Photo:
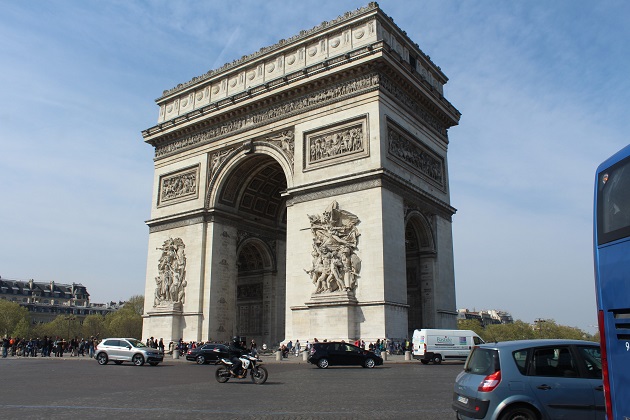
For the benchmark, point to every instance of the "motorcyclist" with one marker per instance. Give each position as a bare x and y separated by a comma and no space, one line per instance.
235,351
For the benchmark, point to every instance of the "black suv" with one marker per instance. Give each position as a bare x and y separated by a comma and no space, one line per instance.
342,354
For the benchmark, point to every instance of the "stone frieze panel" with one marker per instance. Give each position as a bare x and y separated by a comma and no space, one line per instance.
334,144
179,186
409,151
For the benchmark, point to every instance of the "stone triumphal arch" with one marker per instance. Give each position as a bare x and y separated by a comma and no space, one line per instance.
302,191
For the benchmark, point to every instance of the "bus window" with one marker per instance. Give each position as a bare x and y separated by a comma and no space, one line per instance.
614,202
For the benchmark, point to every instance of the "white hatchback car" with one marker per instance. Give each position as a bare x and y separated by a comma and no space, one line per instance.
120,350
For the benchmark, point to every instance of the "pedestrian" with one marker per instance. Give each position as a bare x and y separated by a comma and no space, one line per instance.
161,345
297,348
5,346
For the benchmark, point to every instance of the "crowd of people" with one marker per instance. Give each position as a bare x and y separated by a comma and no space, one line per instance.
390,346
48,347
57,346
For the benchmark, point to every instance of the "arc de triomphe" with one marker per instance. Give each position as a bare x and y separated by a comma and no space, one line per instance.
302,192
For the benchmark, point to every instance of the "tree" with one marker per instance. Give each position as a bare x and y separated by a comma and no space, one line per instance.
11,314
124,323
94,326
470,324
518,330
22,329
135,304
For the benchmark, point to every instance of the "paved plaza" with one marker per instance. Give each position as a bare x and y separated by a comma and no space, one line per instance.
55,388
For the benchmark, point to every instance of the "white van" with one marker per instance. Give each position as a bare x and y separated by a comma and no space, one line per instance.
437,345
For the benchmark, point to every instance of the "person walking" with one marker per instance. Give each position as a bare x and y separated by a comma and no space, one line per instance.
5,347
297,348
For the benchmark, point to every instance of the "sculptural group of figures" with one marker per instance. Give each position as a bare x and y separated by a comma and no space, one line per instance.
171,282
335,265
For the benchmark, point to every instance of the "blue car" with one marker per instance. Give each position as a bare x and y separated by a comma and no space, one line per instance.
531,380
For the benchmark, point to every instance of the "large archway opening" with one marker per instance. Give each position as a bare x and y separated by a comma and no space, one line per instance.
252,199
420,253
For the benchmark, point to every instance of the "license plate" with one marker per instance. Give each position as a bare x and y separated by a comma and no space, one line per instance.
462,400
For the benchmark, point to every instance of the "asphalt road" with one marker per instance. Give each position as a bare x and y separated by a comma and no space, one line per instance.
70,388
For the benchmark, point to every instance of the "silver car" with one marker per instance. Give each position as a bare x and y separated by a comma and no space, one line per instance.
120,350
531,380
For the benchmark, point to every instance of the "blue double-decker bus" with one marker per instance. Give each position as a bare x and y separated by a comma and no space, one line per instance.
612,279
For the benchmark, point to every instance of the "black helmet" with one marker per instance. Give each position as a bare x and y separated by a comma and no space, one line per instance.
235,340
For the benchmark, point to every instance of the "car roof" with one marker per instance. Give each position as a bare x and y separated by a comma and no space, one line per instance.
518,344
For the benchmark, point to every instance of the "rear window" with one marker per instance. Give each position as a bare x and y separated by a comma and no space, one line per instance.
483,361
613,202
520,358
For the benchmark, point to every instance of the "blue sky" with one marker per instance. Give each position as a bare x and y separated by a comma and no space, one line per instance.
542,86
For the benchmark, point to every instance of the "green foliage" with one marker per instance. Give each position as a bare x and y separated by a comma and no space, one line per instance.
520,330
94,326
470,324
124,323
135,304
127,321
11,314
23,329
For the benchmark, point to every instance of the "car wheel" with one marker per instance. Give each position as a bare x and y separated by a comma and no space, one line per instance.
322,363
101,358
154,363
138,360
259,375
424,361
118,362
222,374
519,413
437,359
201,360
369,363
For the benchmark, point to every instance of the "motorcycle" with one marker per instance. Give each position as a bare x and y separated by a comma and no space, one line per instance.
250,363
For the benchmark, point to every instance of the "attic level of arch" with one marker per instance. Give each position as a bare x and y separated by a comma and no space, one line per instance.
387,73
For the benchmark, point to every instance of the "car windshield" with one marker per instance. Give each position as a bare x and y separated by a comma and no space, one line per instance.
482,361
136,343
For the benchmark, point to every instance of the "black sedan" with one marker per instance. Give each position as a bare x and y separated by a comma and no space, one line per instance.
207,353
342,354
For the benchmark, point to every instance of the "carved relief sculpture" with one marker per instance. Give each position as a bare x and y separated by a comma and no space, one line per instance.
179,186
409,151
171,281
335,144
335,265
285,141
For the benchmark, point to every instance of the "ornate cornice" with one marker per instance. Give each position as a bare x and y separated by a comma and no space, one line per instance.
381,178
283,43
247,121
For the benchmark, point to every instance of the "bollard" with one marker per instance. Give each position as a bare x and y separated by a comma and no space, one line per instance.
407,355
278,356
384,355
305,355
175,354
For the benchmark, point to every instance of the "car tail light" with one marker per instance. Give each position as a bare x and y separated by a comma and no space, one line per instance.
490,382
605,374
